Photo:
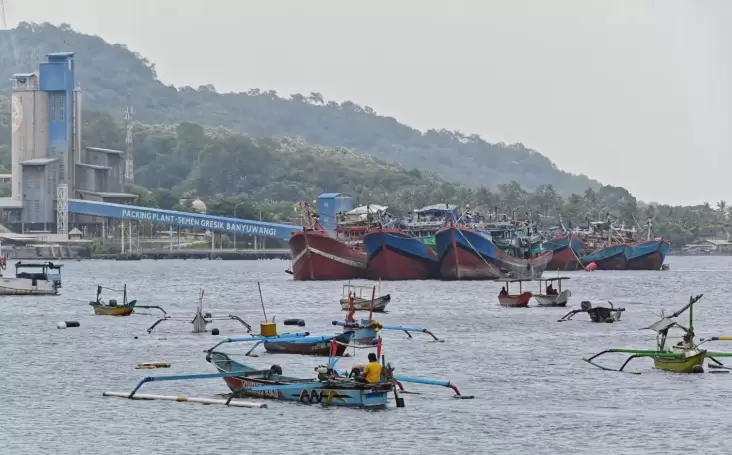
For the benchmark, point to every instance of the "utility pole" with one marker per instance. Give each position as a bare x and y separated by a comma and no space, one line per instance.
129,163
3,19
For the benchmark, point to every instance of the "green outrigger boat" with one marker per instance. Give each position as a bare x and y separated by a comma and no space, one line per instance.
684,357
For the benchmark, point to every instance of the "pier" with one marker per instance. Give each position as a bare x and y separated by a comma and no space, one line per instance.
231,255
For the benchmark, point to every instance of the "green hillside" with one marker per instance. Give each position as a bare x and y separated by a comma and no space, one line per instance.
113,77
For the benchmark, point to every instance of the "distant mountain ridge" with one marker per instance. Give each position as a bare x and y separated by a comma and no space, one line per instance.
113,77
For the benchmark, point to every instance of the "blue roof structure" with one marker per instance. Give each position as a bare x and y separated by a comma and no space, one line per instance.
183,219
330,195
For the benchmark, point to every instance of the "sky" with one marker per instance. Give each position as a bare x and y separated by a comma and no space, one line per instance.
633,93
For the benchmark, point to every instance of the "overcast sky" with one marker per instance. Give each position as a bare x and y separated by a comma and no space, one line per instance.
633,93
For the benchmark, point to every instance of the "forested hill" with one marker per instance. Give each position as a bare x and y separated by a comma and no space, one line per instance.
113,77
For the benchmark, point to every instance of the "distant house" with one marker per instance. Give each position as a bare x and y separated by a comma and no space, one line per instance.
711,233
709,246
75,234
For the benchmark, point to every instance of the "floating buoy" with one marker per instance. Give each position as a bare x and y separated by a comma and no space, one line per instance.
65,324
592,266
150,365
697,369
295,321
214,331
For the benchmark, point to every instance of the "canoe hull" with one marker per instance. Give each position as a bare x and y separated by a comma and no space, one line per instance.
603,314
559,300
515,301
113,310
350,394
320,348
684,365
360,304
27,286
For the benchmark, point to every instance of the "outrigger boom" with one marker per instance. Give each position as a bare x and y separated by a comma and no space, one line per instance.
401,328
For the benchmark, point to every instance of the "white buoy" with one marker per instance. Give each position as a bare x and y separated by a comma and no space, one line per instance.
65,324
140,396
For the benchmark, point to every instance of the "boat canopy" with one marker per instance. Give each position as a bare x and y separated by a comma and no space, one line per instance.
437,209
559,278
366,209
662,325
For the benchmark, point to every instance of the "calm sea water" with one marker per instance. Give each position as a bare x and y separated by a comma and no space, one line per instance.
533,393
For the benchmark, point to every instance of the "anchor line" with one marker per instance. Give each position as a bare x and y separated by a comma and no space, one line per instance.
332,257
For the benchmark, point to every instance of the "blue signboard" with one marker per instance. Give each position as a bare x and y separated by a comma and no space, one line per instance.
183,219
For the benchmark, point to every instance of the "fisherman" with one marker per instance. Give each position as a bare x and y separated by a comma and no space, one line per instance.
372,370
503,291
550,290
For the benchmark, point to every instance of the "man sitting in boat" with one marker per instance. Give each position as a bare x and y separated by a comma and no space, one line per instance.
550,290
503,291
372,370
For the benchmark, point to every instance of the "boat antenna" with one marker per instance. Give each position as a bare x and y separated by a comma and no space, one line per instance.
262,301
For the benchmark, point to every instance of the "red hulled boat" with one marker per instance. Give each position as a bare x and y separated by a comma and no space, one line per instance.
319,256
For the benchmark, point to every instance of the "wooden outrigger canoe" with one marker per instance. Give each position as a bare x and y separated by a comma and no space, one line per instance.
684,357
111,308
597,313
329,387
505,298
552,297
354,295
367,330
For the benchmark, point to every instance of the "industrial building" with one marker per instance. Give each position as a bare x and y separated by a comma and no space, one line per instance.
330,205
49,165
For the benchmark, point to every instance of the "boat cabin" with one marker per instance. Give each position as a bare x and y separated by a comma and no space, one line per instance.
358,291
546,285
39,271
520,285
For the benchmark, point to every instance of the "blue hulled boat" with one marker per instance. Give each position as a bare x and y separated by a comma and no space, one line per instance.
648,255
396,255
611,257
471,254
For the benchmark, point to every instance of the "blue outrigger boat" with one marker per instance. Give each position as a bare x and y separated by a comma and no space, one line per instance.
329,387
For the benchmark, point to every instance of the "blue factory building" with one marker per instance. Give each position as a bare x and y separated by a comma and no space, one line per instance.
49,165
57,183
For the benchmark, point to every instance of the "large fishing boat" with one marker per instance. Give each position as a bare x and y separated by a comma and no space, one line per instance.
567,248
470,253
609,247
649,254
408,253
319,256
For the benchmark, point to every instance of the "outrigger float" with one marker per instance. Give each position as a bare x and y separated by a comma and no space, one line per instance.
683,357
597,313
200,319
354,295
